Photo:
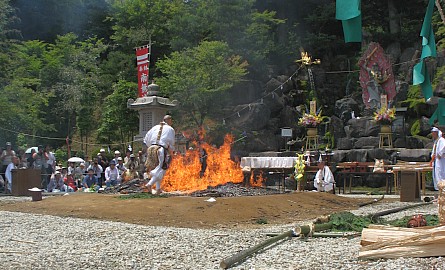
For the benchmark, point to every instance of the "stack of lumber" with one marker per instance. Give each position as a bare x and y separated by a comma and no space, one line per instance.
380,241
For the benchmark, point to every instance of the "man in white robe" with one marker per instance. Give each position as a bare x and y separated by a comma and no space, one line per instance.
161,137
438,157
324,179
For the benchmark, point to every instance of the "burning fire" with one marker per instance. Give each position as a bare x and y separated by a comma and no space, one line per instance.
184,171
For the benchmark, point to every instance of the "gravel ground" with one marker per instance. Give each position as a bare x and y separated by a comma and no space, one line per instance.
31,241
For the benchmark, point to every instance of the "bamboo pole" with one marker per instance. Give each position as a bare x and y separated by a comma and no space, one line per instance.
305,230
232,260
395,210
308,230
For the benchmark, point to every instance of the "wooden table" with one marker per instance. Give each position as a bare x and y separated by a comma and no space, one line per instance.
352,169
420,168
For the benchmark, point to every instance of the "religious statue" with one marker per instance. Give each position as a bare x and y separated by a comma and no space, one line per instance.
376,76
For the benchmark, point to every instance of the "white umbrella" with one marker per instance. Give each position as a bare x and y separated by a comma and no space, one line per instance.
76,159
28,151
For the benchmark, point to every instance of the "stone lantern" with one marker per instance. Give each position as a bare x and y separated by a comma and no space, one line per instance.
152,109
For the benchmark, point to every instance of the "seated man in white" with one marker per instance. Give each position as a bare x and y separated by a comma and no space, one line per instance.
324,179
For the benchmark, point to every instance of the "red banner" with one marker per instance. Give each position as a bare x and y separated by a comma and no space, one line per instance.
142,56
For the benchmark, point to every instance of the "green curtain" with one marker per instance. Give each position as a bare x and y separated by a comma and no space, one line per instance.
439,114
420,72
348,11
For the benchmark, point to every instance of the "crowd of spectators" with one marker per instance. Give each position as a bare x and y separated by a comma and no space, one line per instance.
90,175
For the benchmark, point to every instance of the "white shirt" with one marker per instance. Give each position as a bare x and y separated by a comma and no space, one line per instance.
111,174
51,159
8,173
167,139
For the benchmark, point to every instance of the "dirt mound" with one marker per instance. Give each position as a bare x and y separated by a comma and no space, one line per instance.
193,212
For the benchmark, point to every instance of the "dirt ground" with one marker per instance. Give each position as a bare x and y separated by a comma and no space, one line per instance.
191,212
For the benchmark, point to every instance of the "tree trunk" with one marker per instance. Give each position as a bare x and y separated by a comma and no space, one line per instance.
394,18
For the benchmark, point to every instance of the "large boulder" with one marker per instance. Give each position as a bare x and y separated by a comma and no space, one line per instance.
344,107
264,140
345,143
288,117
255,118
287,83
378,153
359,155
246,92
363,127
425,127
336,128
414,142
419,155
367,143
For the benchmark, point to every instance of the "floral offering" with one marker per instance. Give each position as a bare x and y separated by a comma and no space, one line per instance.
385,116
310,120
300,164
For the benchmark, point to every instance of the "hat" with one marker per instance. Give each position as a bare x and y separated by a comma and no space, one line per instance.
119,158
167,117
132,155
112,162
58,168
82,164
57,172
435,129
102,150
98,154
8,144
117,152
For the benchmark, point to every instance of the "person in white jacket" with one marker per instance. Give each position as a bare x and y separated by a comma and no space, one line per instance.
324,179
438,157
160,141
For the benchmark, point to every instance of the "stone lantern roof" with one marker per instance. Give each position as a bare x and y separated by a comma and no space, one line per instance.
151,99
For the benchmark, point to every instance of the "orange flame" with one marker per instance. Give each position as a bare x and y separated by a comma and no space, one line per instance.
257,181
184,171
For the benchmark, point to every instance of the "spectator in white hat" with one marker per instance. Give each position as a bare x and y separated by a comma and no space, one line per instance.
117,154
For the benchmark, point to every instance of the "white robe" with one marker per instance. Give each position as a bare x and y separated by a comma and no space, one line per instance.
167,141
439,163
324,180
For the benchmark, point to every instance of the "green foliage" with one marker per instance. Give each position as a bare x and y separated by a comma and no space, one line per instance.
329,137
431,220
210,69
119,122
415,128
261,221
61,155
21,141
346,221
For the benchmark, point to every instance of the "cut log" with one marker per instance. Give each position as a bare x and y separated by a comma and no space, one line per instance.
378,233
393,242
